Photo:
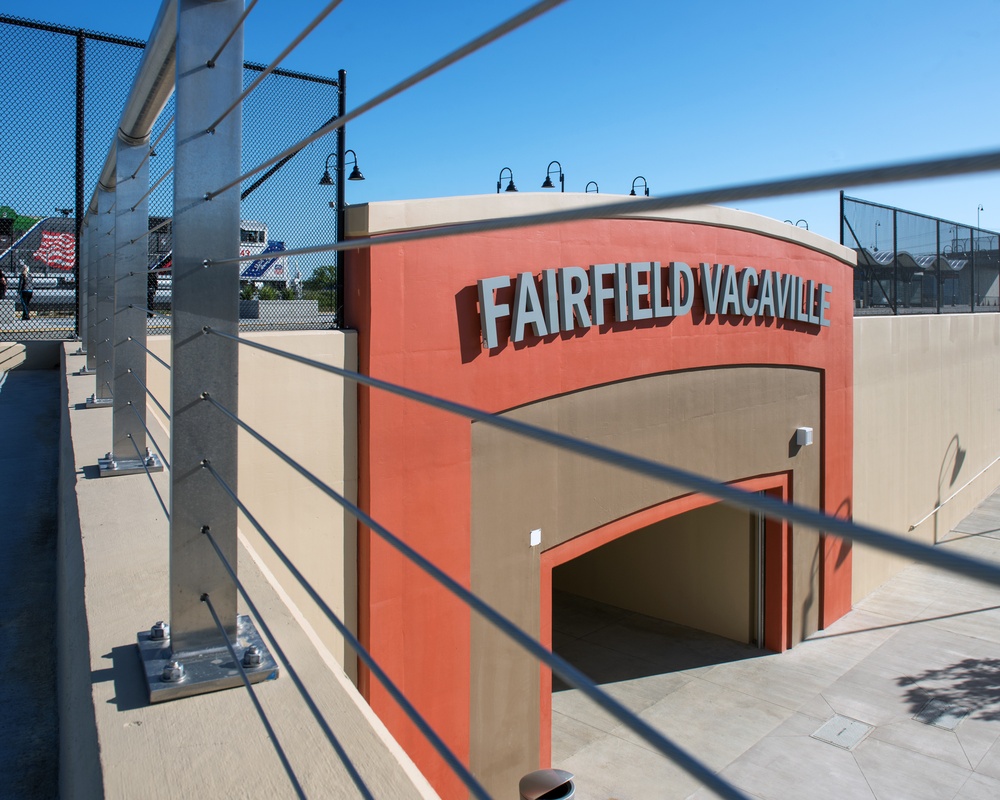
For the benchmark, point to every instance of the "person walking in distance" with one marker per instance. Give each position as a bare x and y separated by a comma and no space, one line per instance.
152,284
25,288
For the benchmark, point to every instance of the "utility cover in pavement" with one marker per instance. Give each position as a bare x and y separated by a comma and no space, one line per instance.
843,732
941,714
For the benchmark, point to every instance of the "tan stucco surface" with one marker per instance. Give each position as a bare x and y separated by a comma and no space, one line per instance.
730,423
312,416
693,569
926,422
402,215
114,573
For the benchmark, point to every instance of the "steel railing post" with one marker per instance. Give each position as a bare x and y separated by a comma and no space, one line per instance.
90,286
204,230
128,438
191,659
104,290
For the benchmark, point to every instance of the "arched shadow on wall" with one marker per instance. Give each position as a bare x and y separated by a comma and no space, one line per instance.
954,457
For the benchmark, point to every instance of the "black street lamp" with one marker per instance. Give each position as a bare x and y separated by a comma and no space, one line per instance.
547,184
644,185
510,186
355,175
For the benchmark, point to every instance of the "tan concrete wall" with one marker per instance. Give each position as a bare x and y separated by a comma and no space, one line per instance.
693,569
729,423
926,421
312,416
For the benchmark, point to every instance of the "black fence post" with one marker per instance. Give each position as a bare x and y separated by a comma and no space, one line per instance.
81,63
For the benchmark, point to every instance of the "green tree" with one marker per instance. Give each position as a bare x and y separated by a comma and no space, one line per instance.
324,277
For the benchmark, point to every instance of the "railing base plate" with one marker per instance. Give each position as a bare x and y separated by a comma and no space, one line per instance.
129,466
100,402
204,671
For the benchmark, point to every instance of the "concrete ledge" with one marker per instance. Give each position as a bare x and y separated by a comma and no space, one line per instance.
11,356
113,583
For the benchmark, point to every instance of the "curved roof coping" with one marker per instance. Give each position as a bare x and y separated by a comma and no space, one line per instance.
395,216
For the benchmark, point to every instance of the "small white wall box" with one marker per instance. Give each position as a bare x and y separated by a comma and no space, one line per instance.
803,437
536,537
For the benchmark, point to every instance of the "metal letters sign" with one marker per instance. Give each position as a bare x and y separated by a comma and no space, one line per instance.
568,298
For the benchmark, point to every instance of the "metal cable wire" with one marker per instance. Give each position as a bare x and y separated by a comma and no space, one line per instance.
155,314
637,206
151,396
150,476
111,391
256,702
149,433
150,352
460,770
152,148
153,186
313,708
232,33
154,229
557,664
478,43
274,64
810,518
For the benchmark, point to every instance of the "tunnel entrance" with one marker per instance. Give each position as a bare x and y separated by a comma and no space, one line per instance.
683,592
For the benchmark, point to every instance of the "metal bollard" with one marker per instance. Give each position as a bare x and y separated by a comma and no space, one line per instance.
547,784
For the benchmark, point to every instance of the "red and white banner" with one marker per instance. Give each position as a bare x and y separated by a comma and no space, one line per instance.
57,250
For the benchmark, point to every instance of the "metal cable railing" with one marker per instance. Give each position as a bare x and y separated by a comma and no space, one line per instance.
572,676
478,43
149,433
632,207
159,405
439,745
238,661
144,460
331,737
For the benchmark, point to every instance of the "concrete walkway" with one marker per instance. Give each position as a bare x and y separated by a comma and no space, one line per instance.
910,678
29,420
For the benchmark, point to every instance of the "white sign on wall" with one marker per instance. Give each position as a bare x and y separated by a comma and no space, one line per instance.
568,298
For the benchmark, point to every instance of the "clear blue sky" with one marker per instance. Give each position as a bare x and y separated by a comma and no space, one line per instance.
689,95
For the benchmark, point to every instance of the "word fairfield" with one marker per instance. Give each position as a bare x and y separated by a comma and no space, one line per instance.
568,298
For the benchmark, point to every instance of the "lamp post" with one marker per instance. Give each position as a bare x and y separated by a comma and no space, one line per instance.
547,183
645,186
877,226
355,175
510,186
979,210
597,189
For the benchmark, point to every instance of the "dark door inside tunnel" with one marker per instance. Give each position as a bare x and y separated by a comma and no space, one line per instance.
684,592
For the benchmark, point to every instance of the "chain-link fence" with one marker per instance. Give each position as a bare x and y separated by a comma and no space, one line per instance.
63,91
910,263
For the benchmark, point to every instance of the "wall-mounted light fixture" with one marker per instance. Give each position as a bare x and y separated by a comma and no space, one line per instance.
803,437
510,186
547,183
645,185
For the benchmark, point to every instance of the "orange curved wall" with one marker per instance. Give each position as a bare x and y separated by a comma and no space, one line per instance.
416,312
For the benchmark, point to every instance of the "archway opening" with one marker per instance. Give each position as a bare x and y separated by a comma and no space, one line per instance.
681,593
